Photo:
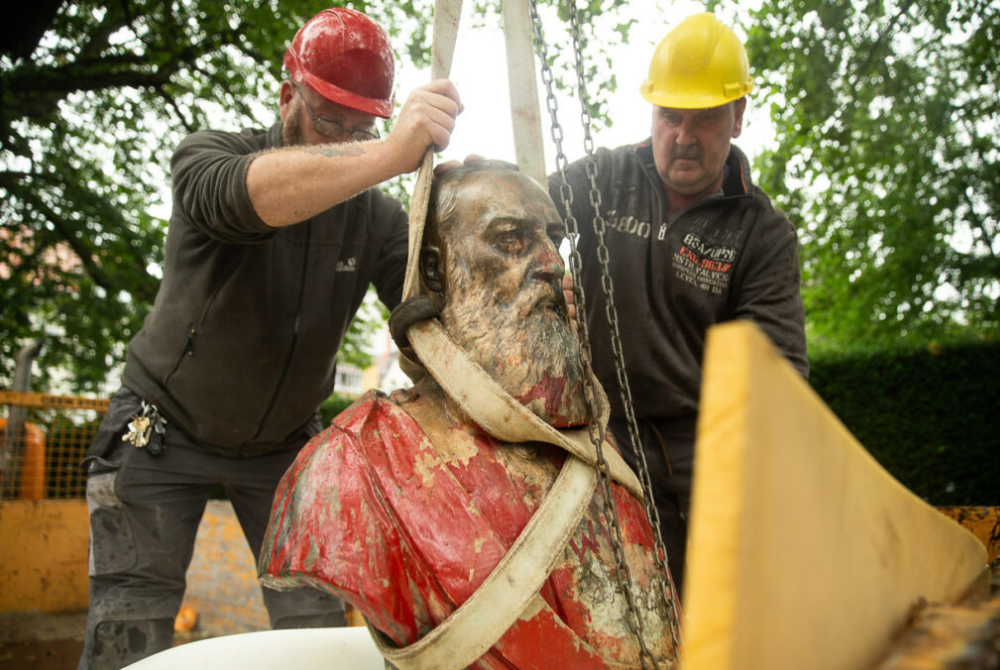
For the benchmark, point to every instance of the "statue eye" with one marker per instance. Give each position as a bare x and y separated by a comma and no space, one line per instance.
511,242
509,239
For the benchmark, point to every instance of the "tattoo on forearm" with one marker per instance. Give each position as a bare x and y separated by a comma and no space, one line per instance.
331,150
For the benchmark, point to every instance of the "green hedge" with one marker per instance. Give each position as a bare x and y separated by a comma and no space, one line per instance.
931,416
333,406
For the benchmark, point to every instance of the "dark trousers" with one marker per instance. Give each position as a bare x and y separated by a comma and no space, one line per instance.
669,450
144,516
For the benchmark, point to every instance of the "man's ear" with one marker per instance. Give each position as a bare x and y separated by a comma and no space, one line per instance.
285,98
430,268
739,106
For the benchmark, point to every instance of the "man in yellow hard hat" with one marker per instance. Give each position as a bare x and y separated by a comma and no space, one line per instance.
691,242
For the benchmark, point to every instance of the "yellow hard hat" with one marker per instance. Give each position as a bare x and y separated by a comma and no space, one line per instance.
700,63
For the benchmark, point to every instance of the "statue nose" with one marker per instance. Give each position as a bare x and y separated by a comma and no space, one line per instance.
549,263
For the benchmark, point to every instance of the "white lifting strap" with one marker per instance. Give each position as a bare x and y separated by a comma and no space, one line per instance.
446,16
497,412
480,621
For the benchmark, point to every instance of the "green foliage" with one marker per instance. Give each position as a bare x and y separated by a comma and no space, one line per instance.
887,118
94,96
356,348
90,115
333,406
929,415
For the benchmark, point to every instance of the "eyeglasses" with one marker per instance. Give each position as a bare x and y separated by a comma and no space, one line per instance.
331,128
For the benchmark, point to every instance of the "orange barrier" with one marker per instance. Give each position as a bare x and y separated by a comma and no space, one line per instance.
43,556
31,481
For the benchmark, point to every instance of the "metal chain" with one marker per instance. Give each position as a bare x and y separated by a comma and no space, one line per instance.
669,592
596,430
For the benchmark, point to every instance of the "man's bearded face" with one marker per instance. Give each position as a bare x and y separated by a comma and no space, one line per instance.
298,127
503,290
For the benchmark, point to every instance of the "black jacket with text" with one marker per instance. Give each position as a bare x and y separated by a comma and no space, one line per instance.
729,256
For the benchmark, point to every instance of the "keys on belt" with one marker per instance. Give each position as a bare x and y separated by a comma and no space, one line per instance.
147,429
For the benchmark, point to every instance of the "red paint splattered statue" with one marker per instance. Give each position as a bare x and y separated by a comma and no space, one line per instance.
405,506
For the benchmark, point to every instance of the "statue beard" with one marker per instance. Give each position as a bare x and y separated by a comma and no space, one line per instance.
526,346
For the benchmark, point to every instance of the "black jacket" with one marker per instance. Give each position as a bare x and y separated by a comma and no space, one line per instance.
239,350
729,256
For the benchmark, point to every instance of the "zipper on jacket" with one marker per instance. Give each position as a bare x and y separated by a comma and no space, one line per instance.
187,351
295,337
193,330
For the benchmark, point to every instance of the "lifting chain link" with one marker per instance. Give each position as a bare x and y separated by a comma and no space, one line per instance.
597,434
669,592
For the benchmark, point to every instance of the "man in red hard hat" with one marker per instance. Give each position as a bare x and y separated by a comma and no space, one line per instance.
274,238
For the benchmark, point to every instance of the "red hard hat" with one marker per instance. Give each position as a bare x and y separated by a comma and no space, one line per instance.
344,56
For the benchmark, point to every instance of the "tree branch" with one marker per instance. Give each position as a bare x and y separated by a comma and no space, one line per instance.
889,29
978,224
65,231
188,125
10,178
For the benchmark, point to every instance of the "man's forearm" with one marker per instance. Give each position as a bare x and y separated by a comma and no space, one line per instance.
292,184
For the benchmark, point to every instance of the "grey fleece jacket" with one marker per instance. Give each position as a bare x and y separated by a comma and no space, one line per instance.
728,256
239,349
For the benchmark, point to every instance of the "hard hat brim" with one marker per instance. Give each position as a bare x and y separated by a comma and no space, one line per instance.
676,100
374,106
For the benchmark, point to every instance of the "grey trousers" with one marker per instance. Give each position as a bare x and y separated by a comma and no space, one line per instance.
669,450
144,516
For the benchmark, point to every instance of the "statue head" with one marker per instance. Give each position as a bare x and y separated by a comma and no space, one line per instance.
490,259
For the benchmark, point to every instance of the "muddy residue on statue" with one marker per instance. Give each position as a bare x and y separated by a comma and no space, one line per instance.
404,506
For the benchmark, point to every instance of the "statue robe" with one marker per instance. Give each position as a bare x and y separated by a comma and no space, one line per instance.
405,530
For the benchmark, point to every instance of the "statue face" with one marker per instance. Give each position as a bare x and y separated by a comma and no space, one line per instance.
502,280
503,234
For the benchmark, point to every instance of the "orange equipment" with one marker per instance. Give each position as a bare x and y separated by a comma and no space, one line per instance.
31,481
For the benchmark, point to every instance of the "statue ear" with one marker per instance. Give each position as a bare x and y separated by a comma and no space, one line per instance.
430,268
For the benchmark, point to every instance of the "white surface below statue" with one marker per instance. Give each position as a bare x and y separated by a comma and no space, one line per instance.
348,648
